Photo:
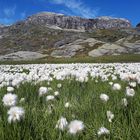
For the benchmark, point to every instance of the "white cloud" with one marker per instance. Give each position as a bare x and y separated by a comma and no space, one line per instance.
23,15
7,15
78,7
9,11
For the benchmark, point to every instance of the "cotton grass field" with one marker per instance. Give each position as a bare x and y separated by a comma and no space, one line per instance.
70,102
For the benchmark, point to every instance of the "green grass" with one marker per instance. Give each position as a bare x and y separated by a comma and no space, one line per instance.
38,124
108,35
126,58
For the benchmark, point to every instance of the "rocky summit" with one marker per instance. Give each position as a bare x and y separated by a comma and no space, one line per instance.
78,23
1,25
56,35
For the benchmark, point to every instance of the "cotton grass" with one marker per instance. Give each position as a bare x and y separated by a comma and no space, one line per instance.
15,114
104,97
75,126
9,99
62,123
61,95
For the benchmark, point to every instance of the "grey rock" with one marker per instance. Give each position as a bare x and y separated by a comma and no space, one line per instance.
22,55
61,21
62,53
66,51
70,49
109,22
91,42
1,25
115,49
107,49
1,37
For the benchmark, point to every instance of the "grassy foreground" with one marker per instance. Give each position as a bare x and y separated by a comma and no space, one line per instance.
126,58
39,124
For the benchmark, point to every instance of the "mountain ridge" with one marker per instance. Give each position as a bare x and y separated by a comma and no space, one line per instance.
58,35
75,22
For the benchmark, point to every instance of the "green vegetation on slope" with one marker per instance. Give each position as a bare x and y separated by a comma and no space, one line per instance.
108,35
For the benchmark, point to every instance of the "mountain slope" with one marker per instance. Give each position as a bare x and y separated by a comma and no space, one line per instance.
57,35
72,22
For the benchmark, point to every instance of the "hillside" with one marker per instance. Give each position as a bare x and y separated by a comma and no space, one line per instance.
50,35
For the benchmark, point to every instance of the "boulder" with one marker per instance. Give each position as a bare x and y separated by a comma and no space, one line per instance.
22,55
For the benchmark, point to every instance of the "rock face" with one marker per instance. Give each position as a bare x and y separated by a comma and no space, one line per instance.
109,22
81,46
66,51
78,23
22,55
1,25
96,48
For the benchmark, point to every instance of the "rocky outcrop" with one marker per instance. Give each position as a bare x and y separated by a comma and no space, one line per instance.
107,49
22,55
80,46
66,51
72,22
109,22
1,25
122,46
1,28
95,48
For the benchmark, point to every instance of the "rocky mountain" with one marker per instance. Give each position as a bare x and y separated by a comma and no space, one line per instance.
1,25
56,35
72,22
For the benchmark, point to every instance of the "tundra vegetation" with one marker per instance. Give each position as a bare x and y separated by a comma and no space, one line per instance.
70,101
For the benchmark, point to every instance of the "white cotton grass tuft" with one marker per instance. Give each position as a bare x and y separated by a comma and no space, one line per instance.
48,83
104,97
110,116
9,99
62,123
132,84
75,127
130,92
10,89
22,100
50,89
103,131
96,81
43,91
116,86
50,97
111,83
56,93
59,85
114,77
124,102
15,114
67,105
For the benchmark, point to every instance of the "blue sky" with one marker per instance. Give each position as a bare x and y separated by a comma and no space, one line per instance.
14,10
